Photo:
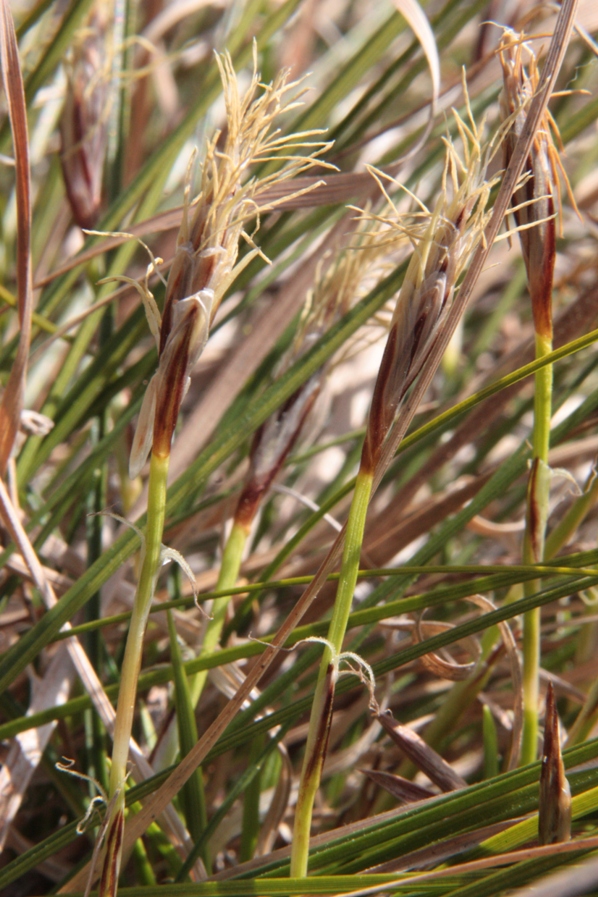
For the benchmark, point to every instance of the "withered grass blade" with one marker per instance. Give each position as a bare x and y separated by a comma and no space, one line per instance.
422,755
11,403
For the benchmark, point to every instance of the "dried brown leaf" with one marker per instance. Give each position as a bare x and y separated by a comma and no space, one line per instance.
420,753
405,791
12,399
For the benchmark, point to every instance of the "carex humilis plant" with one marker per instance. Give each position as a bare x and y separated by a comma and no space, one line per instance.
126,140
204,265
537,213
443,243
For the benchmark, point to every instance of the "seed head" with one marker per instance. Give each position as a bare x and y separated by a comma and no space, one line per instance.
443,242
537,202
84,122
554,810
205,262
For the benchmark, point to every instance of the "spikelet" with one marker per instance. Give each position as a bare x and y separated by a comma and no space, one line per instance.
444,241
84,121
205,262
537,204
554,809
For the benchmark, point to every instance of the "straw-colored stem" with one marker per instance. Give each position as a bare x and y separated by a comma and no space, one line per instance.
227,579
533,548
133,650
321,712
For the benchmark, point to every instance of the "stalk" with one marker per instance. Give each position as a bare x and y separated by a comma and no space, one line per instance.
535,207
533,548
143,599
130,670
321,714
227,579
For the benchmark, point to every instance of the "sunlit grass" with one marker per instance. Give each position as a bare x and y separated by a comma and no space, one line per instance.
287,227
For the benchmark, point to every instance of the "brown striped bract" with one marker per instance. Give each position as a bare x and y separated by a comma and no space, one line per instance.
554,809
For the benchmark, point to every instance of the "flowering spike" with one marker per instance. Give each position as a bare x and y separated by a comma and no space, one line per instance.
84,122
205,261
186,341
441,250
537,201
554,811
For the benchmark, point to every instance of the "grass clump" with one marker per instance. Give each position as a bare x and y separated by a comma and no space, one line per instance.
366,449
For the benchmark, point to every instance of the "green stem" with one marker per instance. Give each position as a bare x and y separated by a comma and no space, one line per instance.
133,650
321,712
192,795
533,548
227,579
542,400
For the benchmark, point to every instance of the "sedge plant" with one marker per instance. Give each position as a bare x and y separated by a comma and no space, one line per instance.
121,115
442,246
535,206
204,266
